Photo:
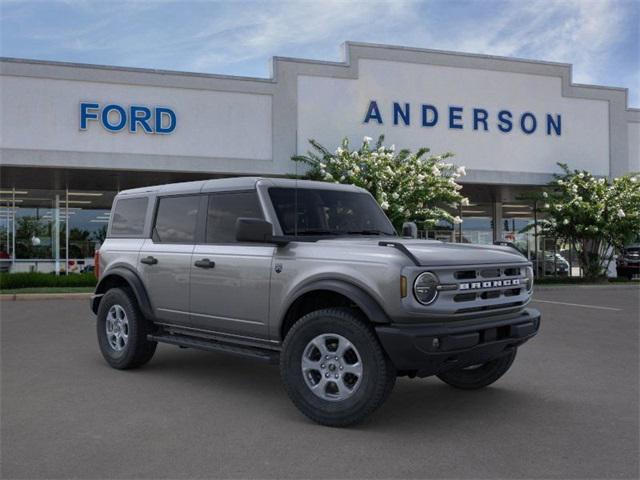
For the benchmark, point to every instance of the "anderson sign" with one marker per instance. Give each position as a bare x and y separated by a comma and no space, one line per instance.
460,118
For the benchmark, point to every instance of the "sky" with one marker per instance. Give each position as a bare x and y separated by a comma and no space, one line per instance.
601,38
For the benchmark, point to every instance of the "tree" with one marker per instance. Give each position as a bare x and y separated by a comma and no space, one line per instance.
408,186
595,215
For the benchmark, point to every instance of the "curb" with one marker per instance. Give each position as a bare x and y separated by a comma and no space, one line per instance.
44,296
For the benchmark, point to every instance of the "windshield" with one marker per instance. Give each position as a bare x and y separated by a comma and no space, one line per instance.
311,212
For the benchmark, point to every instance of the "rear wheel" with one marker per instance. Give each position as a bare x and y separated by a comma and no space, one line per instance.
334,368
479,376
122,330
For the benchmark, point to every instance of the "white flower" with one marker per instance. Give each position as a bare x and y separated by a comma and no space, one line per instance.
581,175
392,148
367,139
339,151
546,205
545,195
384,205
565,221
395,195
435,170
464,202
621,213
633,179
457,220
461,171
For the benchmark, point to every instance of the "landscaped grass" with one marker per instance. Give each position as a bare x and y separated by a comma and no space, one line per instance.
28,290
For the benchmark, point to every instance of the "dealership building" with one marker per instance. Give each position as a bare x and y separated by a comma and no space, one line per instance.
73,135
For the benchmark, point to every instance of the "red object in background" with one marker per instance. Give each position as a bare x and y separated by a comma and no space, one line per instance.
96,264
4,255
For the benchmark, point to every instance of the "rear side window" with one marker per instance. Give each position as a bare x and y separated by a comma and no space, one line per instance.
224,210
176,219
128,217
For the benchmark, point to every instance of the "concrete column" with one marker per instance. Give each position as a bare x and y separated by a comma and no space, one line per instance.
498,226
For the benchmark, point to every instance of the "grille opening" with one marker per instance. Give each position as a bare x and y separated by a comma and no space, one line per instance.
503,332
513,292
465,274
490,272
489,295
489,307
464,297
512,272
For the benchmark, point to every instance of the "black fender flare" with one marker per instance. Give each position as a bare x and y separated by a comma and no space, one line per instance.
365,302
132,279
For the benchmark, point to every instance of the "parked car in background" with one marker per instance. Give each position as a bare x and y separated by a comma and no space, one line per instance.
5,261
628,262
553,264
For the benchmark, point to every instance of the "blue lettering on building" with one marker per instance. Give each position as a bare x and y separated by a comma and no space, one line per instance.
135,118
473,118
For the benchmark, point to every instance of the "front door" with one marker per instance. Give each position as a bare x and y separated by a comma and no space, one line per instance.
230,280
165,259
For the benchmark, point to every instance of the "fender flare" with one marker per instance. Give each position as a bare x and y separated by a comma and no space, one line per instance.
365,302
132,279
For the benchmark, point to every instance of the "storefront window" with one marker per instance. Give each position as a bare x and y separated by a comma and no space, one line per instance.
52,230
477,223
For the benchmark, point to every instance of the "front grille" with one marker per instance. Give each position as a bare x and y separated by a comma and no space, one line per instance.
482,289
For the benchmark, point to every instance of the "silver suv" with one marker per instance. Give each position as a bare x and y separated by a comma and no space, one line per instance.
312,276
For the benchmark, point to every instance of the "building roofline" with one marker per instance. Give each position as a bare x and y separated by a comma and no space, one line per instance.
347,46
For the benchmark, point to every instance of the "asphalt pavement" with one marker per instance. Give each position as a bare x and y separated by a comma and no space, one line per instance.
568,408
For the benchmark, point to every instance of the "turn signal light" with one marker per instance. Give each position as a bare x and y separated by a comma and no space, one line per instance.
403,286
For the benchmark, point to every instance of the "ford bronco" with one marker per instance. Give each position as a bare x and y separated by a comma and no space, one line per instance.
312,276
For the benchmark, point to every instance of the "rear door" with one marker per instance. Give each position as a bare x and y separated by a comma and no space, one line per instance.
230,280
165,258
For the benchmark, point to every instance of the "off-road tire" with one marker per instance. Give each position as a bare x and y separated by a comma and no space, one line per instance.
138,349
480,377
378,376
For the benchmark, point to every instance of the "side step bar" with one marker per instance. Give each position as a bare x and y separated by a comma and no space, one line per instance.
264,355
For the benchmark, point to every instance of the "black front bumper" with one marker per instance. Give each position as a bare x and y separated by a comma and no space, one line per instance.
428,349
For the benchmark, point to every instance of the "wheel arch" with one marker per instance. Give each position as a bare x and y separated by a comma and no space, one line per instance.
123,276
327,293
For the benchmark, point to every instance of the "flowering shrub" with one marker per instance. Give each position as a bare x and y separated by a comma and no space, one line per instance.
593,214
408,186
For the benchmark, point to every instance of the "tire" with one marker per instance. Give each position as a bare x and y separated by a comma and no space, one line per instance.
354,396
120,352
476,377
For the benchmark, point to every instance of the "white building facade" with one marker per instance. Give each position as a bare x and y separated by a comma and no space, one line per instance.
73,135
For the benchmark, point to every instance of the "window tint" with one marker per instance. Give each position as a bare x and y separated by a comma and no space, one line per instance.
328,212
128,217
176,219
224,210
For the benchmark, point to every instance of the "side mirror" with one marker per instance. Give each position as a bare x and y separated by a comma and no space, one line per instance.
256,230
410,230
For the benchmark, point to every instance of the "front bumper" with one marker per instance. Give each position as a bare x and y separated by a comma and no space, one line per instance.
428,349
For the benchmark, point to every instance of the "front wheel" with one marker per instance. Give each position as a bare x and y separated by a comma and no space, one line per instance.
334,368
479,376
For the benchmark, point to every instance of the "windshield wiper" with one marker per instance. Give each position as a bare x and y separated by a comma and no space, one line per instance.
368,232
319,232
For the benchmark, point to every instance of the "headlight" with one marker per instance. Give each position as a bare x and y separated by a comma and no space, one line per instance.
529,274
425,288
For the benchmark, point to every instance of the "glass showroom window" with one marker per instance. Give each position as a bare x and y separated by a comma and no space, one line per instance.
51,230
477,223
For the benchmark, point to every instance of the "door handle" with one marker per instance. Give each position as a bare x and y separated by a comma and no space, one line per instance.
205,263
149,260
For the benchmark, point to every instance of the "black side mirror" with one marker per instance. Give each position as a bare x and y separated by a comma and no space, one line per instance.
256,230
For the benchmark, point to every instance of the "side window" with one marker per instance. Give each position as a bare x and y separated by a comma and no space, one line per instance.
224,210
128,217
176,219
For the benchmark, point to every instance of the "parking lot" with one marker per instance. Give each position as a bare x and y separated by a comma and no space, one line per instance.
567,409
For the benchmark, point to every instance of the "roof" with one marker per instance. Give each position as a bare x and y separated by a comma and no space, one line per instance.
235,183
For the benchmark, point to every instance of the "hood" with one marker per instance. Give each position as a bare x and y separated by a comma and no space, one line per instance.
435,253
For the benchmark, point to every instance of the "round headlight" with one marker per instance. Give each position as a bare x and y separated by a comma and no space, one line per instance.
529,274
425,288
